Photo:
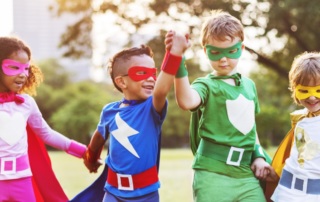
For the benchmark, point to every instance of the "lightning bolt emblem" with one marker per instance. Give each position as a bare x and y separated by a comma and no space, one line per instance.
122,133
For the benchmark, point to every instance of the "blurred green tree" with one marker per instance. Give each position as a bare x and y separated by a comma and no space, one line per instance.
79,117
71,108
49,97
276,30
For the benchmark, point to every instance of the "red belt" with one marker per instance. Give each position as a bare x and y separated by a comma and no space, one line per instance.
131,182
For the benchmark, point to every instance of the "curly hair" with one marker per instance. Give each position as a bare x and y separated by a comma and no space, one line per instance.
116,65
10,45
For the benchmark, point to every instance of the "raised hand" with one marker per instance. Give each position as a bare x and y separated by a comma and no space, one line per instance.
176,43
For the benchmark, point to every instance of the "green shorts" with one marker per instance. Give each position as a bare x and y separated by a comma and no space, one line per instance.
213,187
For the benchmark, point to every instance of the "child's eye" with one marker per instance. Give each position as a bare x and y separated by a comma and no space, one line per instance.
233,51
215,52
303,91
141,73
14,67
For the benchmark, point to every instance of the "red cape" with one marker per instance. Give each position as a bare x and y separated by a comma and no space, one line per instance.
45,184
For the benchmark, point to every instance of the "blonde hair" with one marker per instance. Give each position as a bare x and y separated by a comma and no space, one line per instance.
304,69
220,25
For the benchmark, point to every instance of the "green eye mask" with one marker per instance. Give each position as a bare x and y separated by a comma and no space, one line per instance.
215,53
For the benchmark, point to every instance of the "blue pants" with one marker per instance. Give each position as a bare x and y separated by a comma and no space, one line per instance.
151,197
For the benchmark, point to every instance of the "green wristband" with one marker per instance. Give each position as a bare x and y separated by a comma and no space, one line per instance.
182,71
258,152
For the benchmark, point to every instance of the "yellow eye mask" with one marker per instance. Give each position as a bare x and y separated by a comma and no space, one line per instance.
303,92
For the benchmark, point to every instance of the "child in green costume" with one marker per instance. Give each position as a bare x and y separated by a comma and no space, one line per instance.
229,160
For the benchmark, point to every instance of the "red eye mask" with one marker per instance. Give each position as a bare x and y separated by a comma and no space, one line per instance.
139,73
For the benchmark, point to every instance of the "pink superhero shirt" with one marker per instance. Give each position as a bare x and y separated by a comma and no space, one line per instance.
13,136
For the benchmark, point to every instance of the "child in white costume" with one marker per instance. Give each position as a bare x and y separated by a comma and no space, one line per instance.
300,178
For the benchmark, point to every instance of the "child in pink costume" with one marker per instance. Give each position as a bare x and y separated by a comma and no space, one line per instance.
19,111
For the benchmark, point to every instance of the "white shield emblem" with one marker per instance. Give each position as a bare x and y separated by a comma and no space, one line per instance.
241,114
12,128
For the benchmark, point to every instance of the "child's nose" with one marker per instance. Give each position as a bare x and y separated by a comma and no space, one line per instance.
23,74
312,97
223,58
151,78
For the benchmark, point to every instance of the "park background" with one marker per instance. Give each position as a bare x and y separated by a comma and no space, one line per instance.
74,92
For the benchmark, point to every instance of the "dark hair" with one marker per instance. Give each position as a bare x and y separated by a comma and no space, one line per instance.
116,65
10,45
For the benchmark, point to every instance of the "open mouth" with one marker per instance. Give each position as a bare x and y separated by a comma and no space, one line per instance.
148,87
19,83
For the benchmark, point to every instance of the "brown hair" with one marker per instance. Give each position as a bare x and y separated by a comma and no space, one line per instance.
220,25
304,69
117,64
10,45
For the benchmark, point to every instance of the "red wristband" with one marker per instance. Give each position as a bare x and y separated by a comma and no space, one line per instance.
171,63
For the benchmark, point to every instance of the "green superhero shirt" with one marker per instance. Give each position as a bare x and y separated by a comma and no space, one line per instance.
225,117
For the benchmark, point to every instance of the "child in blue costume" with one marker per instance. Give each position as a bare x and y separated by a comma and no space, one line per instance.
228,157
133,125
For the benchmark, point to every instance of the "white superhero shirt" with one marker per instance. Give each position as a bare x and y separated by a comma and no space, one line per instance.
13,135
304,159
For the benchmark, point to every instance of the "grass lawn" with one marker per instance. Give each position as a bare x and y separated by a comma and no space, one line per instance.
175,174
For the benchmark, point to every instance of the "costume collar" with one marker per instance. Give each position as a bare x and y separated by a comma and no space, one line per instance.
236,77
130,102
11,97
313,114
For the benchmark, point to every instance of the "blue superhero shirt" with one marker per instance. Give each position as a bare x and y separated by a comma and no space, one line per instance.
134,141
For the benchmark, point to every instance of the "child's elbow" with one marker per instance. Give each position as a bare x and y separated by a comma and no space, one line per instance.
182,105
160,95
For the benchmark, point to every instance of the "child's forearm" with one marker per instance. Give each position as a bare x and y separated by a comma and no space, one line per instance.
95,147
186,97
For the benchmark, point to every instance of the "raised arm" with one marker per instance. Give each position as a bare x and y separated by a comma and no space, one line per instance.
169,68
187,98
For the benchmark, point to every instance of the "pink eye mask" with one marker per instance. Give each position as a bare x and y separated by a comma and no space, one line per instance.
12,67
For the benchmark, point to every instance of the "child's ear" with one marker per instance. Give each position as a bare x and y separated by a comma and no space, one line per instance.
120,82
243,46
